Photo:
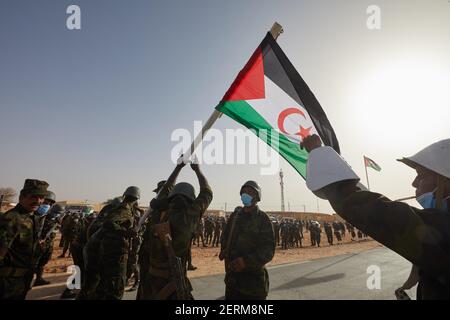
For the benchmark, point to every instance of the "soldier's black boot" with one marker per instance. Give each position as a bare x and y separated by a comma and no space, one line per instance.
68,294
39,280
191,267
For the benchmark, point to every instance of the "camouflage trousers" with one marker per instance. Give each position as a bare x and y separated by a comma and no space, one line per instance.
91,278
15,288
45,255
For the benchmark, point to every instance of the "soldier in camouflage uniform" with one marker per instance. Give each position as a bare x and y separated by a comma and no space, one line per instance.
69,228
18,241
337,227
82,224
248,245
45,251
298,235
47,234
117,230
182,211
422,236
133,257
144,289
328,232
209,227
217,232
91,253
199,234
276,230
284,228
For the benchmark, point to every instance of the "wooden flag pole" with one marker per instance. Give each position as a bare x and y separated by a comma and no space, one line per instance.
367,176
407,198
276,30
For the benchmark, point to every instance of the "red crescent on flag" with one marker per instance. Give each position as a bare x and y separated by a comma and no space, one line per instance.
287,112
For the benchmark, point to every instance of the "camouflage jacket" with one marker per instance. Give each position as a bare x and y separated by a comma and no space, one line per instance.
422,236
120,219
253,239
18,238
183,224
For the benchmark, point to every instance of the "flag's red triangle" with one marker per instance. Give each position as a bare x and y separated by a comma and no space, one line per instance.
249,83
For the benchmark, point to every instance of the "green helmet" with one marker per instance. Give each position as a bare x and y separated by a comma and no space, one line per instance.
252,184
132,191
57,209
183,188
50,196
116,201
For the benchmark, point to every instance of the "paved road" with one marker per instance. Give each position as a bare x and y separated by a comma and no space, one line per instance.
339,277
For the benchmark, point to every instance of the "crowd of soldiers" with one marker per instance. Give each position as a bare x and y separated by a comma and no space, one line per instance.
112,248
289,232
209,231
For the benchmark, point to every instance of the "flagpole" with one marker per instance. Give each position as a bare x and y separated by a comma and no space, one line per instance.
367,176
276,30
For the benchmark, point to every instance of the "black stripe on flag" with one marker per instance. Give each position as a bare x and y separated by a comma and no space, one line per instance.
280,70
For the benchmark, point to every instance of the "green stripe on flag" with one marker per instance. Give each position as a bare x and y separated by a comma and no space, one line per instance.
243,113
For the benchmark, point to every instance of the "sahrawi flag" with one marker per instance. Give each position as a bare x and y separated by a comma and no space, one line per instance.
271,98
371,164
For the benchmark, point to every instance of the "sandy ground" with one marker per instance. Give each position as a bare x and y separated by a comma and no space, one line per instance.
207,259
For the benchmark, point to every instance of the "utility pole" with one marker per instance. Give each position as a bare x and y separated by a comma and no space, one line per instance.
289,206
282,191
317,199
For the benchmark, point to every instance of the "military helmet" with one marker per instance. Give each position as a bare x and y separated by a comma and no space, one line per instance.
57,209
132,191
183,188
254,185
116,201
50,196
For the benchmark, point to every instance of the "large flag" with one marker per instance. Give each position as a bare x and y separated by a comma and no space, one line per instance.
369,163
270,97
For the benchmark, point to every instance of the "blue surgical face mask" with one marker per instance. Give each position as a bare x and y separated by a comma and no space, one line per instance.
43,208
246,199
428,201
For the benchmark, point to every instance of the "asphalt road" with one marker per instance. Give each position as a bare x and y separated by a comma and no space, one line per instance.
340,277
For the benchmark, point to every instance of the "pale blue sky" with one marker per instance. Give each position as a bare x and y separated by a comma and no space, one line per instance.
91,111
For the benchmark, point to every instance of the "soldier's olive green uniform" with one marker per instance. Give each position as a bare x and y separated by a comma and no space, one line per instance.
135,244
18,254
143,261
68,231
45,252
91,256
79,242
253,240
421,236
114,250
183,218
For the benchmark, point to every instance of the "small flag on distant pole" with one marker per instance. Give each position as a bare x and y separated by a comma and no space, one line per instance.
371,164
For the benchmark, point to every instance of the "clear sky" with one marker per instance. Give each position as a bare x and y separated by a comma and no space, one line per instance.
91,111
